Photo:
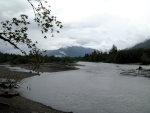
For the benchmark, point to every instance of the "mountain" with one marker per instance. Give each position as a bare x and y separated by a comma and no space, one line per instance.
74,51
145,44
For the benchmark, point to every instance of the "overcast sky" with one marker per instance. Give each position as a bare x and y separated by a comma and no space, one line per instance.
90,23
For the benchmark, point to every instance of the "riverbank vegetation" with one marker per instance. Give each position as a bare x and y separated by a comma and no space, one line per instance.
19,59
125,56
114,55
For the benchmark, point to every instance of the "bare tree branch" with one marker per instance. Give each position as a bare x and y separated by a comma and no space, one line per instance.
7,40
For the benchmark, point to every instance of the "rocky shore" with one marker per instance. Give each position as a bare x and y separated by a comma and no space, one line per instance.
19,104
136,72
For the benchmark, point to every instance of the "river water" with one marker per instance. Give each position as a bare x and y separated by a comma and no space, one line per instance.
94,88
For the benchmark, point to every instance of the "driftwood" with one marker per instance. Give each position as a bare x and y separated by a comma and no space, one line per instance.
137,72
4,104
7,85
7,94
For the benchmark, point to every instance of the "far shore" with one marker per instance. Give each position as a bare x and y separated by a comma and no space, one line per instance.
19,104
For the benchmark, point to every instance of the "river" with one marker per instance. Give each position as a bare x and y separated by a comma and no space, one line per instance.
94,88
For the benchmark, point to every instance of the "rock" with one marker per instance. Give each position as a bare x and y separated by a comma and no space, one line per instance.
139,68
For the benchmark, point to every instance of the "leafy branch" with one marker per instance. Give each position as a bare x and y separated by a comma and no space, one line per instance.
14,31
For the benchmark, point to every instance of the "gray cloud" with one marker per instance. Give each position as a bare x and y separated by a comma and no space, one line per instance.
103,31
11,8
98,30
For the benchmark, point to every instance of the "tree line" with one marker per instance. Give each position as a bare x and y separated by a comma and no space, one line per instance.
112,56
125,56
20,59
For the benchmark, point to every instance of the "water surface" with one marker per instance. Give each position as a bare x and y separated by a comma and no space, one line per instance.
94,88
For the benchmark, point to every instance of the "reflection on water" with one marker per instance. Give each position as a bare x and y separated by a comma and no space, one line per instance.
94,88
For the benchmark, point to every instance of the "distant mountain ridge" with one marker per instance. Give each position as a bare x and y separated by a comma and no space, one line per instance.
74,51
145,44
